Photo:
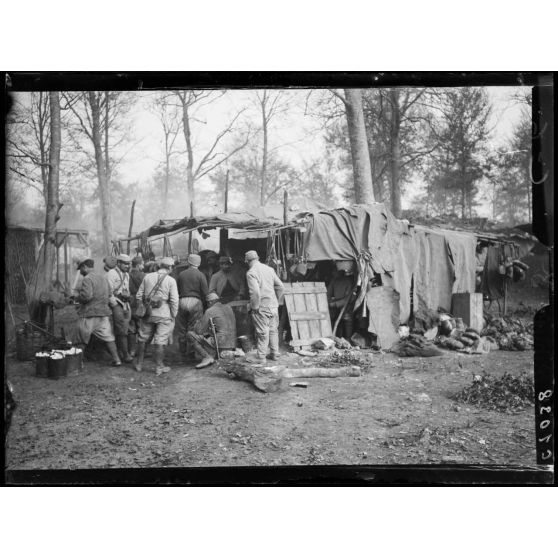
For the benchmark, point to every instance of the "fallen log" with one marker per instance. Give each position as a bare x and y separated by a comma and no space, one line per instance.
269,379
266,379
320,372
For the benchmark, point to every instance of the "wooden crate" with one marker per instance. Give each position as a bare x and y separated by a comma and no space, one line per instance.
308,313
468,306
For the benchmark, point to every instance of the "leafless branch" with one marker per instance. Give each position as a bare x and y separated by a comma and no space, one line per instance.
338,95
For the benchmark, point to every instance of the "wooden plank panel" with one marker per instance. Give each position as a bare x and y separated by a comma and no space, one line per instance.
308,316
325,324
303,288
300,306
314,323
308,312
289,302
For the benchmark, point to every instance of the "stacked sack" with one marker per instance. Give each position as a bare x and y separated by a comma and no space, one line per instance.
455,336
415,345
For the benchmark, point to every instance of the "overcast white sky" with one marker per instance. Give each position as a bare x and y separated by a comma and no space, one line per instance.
297,134
292,128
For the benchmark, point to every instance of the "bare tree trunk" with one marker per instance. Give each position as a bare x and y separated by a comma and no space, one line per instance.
263,179
395,153
53,202
167,177
362,172
190,153
37,309
106,215
43,145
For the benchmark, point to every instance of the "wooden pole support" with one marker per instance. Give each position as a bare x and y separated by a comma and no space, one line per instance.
131,225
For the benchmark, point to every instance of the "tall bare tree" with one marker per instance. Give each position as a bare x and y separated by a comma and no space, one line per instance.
41,281
362,172
53,180
396,123
168,114
28,142
269,104
98,114
190,101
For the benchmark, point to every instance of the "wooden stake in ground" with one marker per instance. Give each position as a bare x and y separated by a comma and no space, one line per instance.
131,224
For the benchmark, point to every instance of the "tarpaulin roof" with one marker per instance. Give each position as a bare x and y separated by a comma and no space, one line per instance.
253,220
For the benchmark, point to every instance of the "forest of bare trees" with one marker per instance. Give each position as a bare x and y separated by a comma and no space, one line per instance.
435,151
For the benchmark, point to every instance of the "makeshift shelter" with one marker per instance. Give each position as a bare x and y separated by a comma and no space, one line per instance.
23,246
418,268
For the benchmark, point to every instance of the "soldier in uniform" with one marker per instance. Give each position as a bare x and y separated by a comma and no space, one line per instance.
266,291
202,340
157,326
93,309
136,277
227,284
119,301
192,290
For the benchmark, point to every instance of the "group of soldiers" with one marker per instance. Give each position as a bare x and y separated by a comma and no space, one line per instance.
132,304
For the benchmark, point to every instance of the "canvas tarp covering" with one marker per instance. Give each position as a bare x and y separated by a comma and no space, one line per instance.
441,262
367,234
383,305
255,219
433,274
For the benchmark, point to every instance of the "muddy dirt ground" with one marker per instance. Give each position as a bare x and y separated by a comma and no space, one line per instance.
398,412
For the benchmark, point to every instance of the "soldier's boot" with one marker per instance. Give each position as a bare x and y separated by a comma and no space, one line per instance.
348,329
122,343
159,355
139,356
132,344
206,361
111,345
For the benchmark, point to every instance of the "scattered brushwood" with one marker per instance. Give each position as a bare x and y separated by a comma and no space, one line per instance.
510,334
346,358
416,345
505,394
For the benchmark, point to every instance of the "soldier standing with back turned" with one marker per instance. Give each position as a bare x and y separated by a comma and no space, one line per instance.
266,291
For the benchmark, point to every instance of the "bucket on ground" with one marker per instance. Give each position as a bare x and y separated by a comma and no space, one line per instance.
57,365
74,360
41,364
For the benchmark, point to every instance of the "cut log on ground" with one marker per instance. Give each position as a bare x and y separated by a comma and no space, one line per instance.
343,371
266,379
269,379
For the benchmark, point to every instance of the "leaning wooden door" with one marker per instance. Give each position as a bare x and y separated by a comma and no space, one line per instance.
308,312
